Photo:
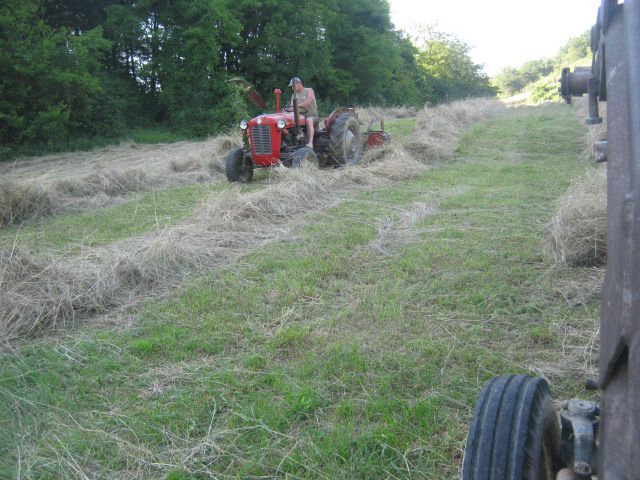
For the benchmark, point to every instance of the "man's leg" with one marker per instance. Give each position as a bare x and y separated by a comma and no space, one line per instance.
310,132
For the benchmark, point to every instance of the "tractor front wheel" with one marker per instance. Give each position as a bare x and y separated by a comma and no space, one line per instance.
302,156
236,168
515,433
346,140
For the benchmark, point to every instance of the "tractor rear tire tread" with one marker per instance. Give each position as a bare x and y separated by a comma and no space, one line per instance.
343,124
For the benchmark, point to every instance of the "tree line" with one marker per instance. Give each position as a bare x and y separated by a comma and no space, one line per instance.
99,67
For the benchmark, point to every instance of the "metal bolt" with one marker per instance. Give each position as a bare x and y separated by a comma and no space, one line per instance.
582,468
591,384
585,408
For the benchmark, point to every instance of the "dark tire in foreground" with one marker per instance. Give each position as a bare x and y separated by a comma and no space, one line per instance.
346,140
235,167
515,433
302,156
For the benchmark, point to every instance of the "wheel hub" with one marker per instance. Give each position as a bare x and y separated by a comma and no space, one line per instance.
350,145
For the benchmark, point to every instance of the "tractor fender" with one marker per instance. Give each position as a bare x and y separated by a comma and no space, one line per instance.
328,122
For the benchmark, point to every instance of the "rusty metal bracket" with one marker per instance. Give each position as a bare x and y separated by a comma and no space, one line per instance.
580,422
600,150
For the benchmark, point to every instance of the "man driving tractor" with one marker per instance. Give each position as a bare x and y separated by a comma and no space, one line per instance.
306,99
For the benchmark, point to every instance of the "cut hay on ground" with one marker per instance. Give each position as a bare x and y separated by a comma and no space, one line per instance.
578,231
437,130
110,183
584,287
371,116
20,202
43,186
393,232
38,294
153,159
436,134
188,165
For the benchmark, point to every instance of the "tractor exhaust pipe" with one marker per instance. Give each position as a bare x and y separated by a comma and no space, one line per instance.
278,92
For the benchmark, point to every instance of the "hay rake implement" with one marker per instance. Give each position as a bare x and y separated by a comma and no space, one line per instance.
515,433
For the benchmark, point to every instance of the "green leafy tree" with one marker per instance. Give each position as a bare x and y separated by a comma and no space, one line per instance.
170,53
577,48
188,64
376,64
77,15
536,69
280,39
445,59
509,81
93,67
49,82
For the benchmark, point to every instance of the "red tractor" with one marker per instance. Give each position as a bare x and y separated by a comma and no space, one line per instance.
280,139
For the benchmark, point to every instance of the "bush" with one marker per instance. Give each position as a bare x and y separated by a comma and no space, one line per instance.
545,90
50,126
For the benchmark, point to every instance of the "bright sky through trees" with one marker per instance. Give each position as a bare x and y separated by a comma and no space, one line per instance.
501,32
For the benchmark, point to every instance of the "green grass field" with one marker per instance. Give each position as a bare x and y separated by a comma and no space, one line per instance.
354,350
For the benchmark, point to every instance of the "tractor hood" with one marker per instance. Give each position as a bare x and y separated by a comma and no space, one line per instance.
272,119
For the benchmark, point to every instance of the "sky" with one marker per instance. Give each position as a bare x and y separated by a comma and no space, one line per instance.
500,33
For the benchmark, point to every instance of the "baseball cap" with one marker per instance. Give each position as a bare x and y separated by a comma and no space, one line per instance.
294,80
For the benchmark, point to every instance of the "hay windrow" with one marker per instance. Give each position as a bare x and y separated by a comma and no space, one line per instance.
438,129
37,294
187,165
43,186
110,183
20,202
578,231
45,293
372,115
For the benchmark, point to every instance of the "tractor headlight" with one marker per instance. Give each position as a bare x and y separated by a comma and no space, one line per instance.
243,125
281,124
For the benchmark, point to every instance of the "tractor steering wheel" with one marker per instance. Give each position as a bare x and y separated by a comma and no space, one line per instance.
289,109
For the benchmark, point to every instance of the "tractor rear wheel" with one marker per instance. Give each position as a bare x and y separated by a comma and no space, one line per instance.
346,140
515,433
302,156
235,167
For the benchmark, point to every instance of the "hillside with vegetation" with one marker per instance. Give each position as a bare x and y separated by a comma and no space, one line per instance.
540,76
72,73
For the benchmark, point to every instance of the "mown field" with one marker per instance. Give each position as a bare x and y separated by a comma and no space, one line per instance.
353,344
